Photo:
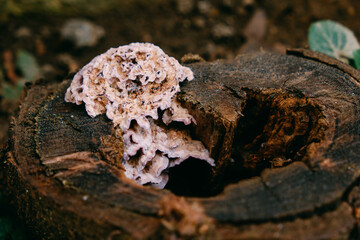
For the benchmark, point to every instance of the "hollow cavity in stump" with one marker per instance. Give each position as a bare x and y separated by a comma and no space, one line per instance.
274,128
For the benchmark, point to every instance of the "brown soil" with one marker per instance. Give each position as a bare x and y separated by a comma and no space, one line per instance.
202,29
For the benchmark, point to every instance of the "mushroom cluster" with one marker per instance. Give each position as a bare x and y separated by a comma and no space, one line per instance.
135,85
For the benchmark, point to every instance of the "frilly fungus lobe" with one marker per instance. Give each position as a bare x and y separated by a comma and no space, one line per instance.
131,84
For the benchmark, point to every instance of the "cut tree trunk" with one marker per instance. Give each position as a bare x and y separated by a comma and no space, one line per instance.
283,129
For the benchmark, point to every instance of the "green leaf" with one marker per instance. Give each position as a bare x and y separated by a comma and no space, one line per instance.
333,39
18,234
13,92
28,65
357,58
5,226
30,70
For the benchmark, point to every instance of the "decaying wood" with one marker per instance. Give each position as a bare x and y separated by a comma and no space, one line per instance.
284,131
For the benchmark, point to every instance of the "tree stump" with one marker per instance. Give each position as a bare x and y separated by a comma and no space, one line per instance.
283,129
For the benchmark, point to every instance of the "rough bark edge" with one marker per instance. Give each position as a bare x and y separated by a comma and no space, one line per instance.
319,57
29,203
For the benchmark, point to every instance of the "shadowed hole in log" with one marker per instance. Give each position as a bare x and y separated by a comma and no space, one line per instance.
276,128
190,178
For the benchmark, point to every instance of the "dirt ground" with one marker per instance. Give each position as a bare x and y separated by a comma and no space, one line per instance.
218,29
212,29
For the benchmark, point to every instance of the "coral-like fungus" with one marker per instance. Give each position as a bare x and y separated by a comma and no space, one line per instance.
135,85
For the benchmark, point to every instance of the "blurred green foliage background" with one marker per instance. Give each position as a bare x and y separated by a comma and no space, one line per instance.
10,227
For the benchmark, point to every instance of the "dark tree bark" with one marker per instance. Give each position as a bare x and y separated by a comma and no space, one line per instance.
284,131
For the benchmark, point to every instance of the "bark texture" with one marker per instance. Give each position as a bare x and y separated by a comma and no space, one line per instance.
284,132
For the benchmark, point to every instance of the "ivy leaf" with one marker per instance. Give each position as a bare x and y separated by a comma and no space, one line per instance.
5,227
30,70
357,58
28,65
333,39
18,234
13,92
9,226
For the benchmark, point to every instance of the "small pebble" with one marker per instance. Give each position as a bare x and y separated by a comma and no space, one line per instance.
82,32
204,7
229,3
222,30
248,2
185,6
199,22
23,32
